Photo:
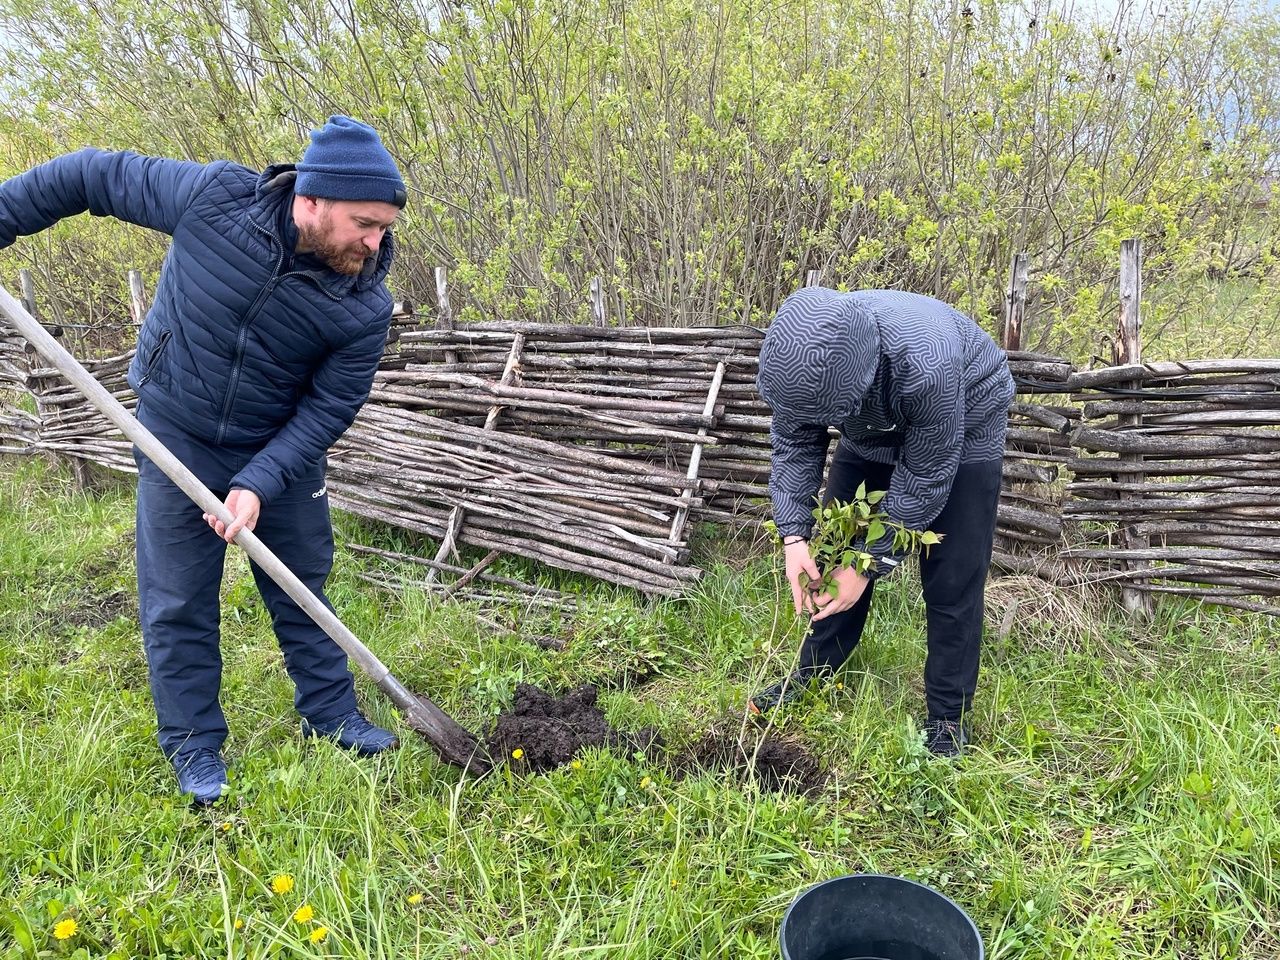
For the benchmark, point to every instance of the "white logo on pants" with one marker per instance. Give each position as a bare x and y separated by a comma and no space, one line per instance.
320,493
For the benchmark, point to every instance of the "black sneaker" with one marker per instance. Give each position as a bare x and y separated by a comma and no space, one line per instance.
945,738
790,688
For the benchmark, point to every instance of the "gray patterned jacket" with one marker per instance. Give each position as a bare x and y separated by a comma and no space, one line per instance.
907,380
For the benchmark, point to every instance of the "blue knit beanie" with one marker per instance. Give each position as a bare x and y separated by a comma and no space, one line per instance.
347,161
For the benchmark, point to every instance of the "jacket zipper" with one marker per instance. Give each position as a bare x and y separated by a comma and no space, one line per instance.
242,335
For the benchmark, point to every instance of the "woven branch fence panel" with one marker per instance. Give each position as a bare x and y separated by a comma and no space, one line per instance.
593,449
1176,479
1029,522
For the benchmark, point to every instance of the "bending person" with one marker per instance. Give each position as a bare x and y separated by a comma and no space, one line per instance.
920,395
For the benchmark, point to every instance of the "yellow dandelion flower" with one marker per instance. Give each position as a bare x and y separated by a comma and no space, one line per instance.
239,924
65,929
517,754
303,914
414,899
645,783
1276,729
319,935
839,686
281,884
226,827
577,764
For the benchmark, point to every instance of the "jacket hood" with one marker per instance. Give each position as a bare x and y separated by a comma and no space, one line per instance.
819,357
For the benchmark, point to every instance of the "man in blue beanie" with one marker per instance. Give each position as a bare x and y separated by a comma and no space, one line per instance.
921,399
270,318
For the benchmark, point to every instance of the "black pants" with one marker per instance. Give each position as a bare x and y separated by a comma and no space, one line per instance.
953,576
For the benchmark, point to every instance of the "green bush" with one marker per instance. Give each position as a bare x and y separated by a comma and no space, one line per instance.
702,158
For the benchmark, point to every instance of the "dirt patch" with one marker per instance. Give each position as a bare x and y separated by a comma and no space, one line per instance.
548,642
84,610
776,764
95,612
548,731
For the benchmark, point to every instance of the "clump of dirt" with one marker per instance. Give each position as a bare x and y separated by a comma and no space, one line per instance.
777,764
548,731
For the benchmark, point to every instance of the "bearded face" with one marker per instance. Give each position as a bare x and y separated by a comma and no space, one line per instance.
342,248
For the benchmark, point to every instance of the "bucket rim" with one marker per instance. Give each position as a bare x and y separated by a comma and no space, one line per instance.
782,928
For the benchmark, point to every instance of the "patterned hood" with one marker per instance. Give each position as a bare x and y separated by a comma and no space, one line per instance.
819,357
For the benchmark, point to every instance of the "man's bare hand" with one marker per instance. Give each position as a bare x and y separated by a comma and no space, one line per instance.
799,561
244,507
851,586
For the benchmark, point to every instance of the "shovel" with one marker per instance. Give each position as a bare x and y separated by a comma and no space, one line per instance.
452,741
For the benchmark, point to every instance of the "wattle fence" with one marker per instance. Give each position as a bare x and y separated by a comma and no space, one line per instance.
597,449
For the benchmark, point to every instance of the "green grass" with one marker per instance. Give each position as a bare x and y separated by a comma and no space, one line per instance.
1121,802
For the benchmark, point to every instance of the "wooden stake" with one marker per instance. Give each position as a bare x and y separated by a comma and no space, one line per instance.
137,297
597,301
695,460
445,320
1015,302
1127,350
28,292
1127,347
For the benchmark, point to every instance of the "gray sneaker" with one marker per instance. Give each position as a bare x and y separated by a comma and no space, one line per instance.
201,773
353,732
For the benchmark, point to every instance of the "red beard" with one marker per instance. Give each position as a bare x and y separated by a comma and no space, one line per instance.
347,260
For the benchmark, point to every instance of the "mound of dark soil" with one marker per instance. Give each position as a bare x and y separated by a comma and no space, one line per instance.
778,765
549,730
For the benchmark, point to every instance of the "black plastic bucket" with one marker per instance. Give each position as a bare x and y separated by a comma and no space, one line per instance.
867,916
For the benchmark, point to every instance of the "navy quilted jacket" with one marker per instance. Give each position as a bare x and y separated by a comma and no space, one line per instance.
243,346
907,380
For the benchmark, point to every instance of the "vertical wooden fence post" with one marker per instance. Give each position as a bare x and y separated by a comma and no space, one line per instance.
138,304
444,320
597,314
1127,349
1015,303
597,301
680,521
83,479
28,292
